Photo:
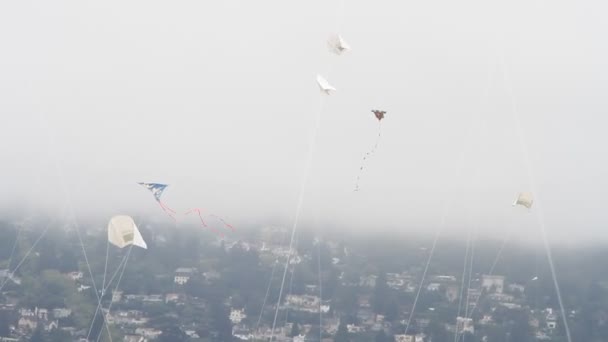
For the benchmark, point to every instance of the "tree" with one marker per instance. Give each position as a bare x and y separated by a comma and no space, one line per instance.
221,323
97,326
59,335
381,336
172,334
295,330
342,334
380,297
5,321
38,336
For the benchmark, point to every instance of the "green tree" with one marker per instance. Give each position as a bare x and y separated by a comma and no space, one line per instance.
172,334
342,334
295,330
38,336
381,336
5,321
381,292
59,335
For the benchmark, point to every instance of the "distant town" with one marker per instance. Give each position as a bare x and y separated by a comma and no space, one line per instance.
193,285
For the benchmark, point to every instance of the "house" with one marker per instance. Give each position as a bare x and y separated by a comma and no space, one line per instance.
452,292
134,338
149,333
404,338
242,333
154,298
464,325
83,287
433,287
182,275
116,296
445,279
493,283
172,297
52,325
353,329
486,319
42,314
304,303
551,319
516,288
501,297
367,281
330,325
59,313
236,315
27,323
211,275
76,275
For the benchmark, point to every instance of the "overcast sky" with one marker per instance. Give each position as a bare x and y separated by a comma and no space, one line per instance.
218,99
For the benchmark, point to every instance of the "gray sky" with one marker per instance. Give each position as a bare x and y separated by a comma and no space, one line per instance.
218,99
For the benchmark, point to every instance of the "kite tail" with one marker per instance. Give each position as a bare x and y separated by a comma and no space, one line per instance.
168,210
203,223
229,226
368,155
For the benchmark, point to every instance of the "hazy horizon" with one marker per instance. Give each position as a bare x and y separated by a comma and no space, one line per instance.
219,100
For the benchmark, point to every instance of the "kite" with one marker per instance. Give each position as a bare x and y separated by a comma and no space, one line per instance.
157,191
324,85
524,199
123,232
379,114
337,45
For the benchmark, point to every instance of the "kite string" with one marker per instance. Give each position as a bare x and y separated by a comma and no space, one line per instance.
27,254
274,266
105,315
312,146
290,290
320,290
308,166
105,269
491,271
539,213
52,148
446,206
462,281
103,291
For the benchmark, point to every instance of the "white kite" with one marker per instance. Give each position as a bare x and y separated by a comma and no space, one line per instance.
324,85
337,45
123,232
524,199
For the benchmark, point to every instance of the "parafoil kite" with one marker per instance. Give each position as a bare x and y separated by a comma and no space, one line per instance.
379,114
337,45
324,85
123,232
524,199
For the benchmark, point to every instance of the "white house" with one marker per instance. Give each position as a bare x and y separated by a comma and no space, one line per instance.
236,315
493,283
182,275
